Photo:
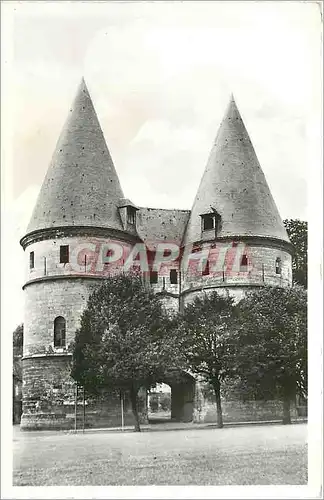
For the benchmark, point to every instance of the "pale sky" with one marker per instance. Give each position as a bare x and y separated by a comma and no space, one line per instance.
160,75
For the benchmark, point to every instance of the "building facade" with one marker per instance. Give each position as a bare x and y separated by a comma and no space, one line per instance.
83,227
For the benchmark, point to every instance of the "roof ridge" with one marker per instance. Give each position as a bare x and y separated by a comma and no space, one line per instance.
166,209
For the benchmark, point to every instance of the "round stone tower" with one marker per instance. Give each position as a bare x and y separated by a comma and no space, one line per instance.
80,208
235,239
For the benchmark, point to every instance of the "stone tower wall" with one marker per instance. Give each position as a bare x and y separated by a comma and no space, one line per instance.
51,290
45,301
261,270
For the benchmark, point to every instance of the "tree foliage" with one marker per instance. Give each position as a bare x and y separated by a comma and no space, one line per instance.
18,337
297,232
271,343
154,402
165,401
17,351
125,340
206,327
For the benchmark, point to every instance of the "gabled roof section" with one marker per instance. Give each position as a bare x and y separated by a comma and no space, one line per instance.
157,225
81,187
234,185
125,202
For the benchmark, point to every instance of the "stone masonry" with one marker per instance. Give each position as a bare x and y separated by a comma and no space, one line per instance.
233,225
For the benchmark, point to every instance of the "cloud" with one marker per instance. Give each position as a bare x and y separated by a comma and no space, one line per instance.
160,75
15,219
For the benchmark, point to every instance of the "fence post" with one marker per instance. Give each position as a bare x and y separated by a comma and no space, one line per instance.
75,406
122,409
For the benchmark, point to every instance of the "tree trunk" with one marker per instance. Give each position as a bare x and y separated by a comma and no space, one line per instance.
286,410
133,397
216,386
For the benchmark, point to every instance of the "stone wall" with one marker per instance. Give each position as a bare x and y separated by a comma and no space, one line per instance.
44,301
248,411
261,268
47,256
49,398
47,385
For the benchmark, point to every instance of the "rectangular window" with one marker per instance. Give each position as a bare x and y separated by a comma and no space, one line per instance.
131,216
153,277
31,260
64,254
244,261
208,222
206,270
174,277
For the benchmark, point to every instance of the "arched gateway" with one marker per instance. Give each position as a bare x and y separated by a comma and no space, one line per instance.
81,207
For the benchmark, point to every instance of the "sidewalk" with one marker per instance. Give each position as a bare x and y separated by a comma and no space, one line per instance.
177,426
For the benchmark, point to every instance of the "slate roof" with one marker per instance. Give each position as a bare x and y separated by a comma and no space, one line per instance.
161,225
81,187
234,185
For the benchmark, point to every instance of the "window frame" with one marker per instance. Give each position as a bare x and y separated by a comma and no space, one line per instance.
174,273
244,261
155,275
58,329
208,217
206,270
32,260
64,252
131,215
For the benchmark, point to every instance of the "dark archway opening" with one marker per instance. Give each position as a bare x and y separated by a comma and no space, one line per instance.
159,403
172,401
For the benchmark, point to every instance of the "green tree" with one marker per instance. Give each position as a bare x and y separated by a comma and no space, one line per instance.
154,402
271,343
18,337
297,232
125,340
165,401
206,327
17,351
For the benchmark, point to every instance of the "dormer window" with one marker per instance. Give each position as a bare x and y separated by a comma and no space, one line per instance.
131,215
208,222
127,211
211,222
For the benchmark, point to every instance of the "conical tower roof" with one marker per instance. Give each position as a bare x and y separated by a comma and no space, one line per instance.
81,187
234,185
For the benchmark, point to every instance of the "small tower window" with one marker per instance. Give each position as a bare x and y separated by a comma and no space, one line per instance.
31,260
59,332
206,269
153,277
64,254
208,222
278,265
211,221
131,215
244,261
173,277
